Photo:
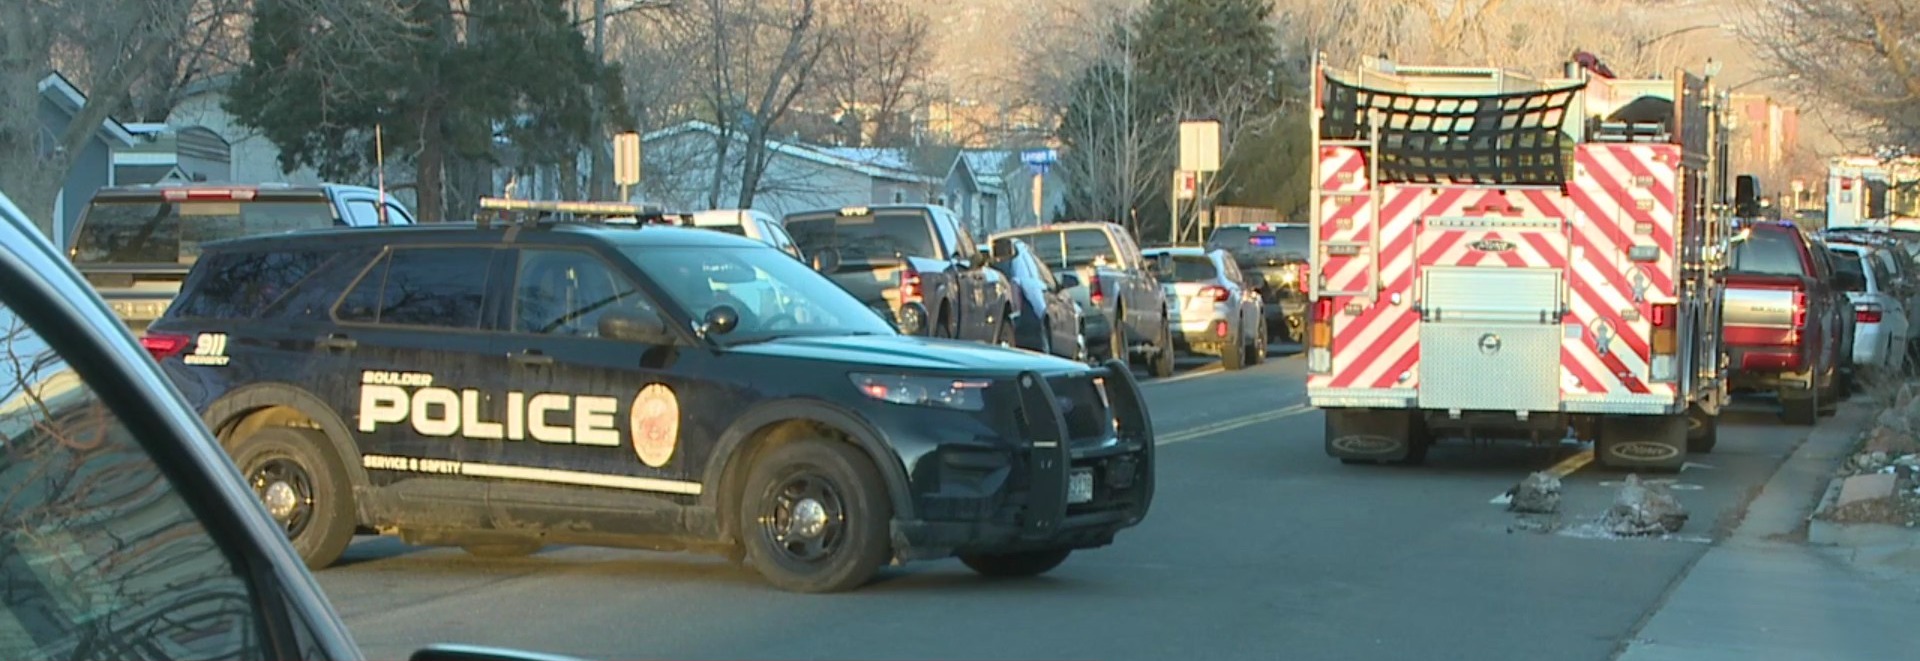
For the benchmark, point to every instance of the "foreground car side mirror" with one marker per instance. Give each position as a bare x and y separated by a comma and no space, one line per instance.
645,328
477,653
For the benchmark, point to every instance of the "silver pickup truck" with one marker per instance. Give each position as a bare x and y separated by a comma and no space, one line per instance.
1122,304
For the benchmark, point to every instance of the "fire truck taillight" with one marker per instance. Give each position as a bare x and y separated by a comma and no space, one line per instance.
1665,342
1320,337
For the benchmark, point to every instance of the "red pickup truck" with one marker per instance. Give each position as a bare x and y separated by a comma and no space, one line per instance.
1785,322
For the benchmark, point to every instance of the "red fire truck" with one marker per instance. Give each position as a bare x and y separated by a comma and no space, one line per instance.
1503,256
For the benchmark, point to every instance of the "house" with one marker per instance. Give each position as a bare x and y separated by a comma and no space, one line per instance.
992,191
251,158
92,168
679,165
173,154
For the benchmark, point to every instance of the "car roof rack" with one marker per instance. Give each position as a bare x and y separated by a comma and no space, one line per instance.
550,212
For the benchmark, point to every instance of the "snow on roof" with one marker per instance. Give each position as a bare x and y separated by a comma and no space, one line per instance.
822,155
881,157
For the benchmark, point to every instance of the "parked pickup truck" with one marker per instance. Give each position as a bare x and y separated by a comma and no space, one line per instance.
1783,319
913,263
134,244
1123,308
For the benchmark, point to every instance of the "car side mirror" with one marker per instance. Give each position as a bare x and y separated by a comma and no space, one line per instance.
720,320
476,653
642,327
1067,280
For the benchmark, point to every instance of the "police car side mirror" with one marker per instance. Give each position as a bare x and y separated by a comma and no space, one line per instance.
645,328
720,320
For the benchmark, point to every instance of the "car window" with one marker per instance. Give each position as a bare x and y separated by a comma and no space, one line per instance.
867,237
1847,269
438,287
156,232
1071,249
364,212
565,292
103,558
1767,252
241,285
1187,268
774,294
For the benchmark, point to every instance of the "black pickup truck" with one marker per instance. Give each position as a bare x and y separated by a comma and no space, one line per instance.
1272,256
912,262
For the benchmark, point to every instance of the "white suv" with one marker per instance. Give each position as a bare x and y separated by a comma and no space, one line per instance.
756,225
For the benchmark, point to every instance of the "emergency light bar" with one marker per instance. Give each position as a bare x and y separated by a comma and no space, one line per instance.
574,208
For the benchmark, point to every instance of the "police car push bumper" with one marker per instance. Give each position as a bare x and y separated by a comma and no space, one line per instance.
1057,473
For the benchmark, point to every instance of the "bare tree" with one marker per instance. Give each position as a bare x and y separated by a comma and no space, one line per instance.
758,59
874,69
109,45
1082,70
1857,55
1533,36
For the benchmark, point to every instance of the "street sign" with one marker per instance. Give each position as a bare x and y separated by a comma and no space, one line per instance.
1200,146
1185,184
626,159
1039,160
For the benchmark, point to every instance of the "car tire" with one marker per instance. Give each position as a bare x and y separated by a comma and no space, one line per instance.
836,486
1803,410
1260,342
303,484
1015,565
1162,366
503,549
1117,341
1233,356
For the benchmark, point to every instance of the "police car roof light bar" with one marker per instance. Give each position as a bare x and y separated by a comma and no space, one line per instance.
531,212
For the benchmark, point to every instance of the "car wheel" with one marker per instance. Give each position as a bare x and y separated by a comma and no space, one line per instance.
1117,341
1260,342
1234,354
304,487
813,517
1015,565
1163,352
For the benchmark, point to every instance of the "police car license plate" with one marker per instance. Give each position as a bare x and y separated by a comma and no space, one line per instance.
1080,486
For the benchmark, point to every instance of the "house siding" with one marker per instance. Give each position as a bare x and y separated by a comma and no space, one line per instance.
90,170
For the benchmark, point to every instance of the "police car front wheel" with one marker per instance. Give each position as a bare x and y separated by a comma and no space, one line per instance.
304,487
813,516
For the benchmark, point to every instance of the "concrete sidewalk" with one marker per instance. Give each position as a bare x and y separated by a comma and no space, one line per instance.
1764,594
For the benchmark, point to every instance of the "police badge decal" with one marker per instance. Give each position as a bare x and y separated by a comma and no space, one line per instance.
655,422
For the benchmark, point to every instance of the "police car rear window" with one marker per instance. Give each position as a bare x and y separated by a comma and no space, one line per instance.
155,232
240,285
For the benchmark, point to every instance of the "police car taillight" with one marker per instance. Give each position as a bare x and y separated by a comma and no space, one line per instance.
163,345
208,194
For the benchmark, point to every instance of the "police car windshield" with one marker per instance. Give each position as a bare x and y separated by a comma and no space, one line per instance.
774,294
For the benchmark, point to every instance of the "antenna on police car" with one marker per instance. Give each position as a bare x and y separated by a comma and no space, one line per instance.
380,165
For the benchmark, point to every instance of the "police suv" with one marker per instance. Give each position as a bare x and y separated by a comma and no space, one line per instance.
503,387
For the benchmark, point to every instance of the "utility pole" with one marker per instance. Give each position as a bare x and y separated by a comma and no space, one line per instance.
598,163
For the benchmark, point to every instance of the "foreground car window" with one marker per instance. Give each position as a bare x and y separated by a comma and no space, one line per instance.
99,556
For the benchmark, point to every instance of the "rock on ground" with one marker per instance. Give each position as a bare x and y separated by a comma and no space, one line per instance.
1891,441
1538,494
1642,508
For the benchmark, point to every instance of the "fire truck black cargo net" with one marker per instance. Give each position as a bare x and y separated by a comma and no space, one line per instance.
1511,139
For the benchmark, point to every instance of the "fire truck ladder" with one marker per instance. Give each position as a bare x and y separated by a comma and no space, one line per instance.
1371,246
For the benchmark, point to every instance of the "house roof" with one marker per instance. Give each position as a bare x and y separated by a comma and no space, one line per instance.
133,175
880,157
62,91
821,155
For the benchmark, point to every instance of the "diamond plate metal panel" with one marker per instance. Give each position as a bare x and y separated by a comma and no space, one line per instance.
1490,367
1453,292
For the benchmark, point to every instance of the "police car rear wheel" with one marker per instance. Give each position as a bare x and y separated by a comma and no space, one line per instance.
1015,565
304,488
814,517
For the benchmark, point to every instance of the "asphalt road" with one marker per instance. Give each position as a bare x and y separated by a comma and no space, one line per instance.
1258,547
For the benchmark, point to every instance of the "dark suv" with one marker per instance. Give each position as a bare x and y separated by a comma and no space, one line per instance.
503,388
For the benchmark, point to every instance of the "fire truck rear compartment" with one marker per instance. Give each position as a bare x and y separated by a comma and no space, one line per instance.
1490,339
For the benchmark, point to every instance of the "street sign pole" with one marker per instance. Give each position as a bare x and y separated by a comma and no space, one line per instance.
1039,161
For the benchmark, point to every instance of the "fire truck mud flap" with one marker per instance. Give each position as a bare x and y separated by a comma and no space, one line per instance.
1642,442
1373,434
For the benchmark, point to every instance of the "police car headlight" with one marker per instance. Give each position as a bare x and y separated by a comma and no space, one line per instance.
943,392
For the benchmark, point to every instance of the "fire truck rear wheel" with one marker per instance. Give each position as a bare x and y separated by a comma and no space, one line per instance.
1703,431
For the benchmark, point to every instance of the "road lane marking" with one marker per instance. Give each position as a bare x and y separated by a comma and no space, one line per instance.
1560,470
1230,425
1213,368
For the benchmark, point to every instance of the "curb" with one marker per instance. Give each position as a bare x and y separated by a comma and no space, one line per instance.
1822,532
1782,507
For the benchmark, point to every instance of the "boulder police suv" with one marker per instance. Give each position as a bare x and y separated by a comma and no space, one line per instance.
503,387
